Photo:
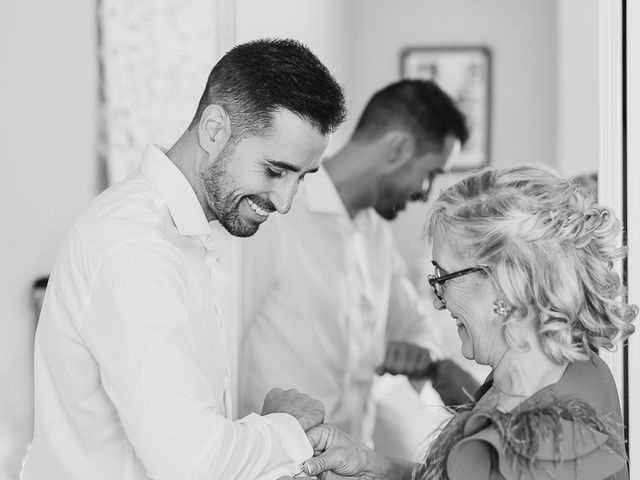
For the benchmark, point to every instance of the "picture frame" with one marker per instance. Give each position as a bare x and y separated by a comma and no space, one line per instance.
464,72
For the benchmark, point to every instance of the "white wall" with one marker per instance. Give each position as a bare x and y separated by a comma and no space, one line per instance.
577,73
321,25
48,93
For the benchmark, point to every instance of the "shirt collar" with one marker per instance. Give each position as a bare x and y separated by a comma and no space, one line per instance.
183,205
322,195
218,240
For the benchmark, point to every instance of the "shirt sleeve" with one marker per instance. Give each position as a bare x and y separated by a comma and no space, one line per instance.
408,318
136,325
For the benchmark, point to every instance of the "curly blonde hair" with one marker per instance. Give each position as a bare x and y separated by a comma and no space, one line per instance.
550,250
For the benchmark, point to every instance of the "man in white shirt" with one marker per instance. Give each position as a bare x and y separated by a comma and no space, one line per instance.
327,278
131,367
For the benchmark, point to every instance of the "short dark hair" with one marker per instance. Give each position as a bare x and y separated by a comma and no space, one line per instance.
255,79
419,107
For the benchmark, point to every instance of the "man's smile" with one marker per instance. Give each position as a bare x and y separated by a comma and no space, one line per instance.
260,211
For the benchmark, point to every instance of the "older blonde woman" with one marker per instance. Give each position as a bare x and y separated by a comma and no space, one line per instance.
523,261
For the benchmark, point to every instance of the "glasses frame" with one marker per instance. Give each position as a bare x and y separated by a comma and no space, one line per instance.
437,282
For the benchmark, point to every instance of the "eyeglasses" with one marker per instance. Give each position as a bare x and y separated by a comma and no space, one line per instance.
437,279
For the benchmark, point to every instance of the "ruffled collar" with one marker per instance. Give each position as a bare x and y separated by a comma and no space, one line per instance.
556,431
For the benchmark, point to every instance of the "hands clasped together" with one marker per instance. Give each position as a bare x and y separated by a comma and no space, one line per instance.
336,454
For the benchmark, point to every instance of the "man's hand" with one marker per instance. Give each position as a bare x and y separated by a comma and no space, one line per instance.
339,456
454,384
308,411
403,358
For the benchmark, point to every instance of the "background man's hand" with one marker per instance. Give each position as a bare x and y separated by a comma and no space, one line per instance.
452,382
308,411
403,358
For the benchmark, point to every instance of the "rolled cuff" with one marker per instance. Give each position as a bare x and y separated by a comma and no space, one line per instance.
294,440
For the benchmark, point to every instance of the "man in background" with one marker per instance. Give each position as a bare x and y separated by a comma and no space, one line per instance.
325,289
131,366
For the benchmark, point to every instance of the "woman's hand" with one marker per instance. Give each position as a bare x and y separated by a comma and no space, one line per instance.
340,456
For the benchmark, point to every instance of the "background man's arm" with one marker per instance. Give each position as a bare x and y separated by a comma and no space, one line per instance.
414,346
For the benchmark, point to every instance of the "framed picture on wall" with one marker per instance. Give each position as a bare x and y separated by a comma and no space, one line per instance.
465,74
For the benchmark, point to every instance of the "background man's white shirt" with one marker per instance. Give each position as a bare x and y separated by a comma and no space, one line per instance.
322,294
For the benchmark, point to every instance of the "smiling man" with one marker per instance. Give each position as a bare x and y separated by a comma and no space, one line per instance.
131,368
241,181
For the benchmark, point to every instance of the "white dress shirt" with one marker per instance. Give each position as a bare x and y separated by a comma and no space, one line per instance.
322,294
131,363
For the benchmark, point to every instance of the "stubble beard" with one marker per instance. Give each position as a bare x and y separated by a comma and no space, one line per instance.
222,196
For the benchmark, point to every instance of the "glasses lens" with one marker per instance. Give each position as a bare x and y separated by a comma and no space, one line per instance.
437,287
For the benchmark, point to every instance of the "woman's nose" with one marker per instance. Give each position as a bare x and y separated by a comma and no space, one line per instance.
438,304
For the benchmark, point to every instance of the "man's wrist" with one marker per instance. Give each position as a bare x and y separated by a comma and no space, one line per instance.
294,440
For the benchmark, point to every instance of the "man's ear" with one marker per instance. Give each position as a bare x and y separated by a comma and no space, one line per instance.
400,148
214,129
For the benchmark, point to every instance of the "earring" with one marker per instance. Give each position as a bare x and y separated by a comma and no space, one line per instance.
501,309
